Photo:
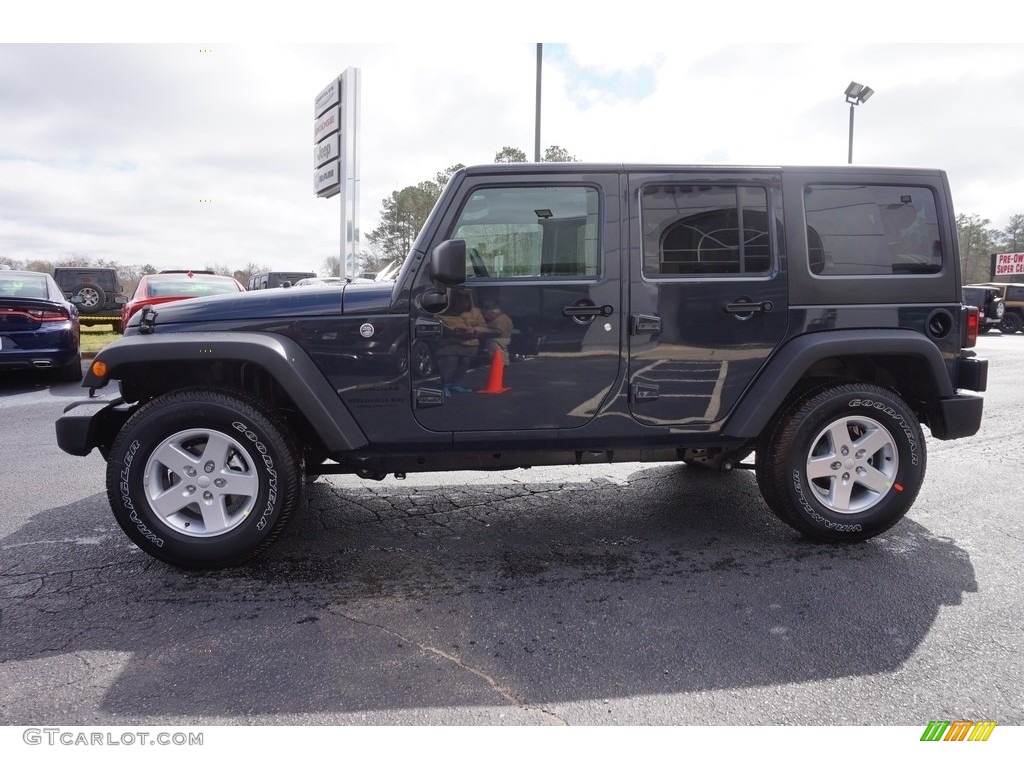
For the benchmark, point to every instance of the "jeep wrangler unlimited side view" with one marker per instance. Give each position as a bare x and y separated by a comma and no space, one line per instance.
570,314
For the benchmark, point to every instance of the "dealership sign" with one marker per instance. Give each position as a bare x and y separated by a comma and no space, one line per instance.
327,138
336,158
1006,264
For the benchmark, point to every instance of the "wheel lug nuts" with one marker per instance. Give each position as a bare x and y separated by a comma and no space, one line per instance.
835,465
209,467
861,471
845,451
860,453
190,489
190,471
207,496
220,482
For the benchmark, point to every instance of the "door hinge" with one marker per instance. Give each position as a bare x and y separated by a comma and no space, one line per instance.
643,393
428,398
425,327
645,324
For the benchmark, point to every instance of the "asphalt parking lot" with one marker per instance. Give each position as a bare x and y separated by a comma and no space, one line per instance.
622,594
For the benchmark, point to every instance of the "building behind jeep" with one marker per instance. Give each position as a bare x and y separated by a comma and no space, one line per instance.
811,317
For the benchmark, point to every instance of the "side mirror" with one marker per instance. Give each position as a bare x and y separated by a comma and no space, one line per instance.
448,263
120,299
76,300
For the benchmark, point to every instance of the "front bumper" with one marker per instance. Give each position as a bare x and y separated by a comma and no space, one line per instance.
88,424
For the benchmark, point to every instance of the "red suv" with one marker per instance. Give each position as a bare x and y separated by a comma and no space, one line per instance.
176,285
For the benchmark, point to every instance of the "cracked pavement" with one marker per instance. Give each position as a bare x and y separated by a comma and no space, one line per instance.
613,594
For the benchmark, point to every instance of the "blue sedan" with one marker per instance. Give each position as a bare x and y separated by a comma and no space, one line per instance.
39,328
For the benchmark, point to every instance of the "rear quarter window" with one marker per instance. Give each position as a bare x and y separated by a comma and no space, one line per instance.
862,229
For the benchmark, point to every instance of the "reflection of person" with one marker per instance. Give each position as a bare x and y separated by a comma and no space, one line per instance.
499,328
462,326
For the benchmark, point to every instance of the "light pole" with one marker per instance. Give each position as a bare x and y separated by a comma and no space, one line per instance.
536,134
855,94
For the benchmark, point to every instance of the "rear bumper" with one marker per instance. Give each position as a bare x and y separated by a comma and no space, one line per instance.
960,415
36,359
972,374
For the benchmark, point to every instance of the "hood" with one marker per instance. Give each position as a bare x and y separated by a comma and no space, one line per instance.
274,303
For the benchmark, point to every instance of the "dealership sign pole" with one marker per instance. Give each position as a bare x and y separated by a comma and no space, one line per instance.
336,157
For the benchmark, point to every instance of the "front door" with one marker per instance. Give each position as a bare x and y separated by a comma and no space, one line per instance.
708,301
531,340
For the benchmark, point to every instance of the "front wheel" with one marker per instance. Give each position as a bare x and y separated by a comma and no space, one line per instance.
203,478
843,462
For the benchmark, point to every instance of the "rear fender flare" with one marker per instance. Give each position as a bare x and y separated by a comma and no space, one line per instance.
785,369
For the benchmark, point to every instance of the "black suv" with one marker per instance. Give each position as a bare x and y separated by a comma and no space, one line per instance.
1012,296
990,304
574,314
100,292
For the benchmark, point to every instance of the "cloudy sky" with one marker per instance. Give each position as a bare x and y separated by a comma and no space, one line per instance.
144,146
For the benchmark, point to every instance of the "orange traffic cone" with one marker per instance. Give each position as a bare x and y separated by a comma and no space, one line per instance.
494,381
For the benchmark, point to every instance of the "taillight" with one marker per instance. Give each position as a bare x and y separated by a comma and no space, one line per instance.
971,336
49,315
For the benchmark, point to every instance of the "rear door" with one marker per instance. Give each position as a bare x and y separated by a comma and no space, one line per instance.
708,298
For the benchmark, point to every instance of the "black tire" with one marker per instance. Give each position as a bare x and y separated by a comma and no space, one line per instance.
843,462
118,327
252,453
1011,323
71,372
93,297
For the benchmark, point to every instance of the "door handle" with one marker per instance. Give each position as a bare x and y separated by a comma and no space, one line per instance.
588,310
743,307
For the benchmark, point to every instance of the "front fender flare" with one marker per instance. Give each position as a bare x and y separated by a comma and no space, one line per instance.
284,359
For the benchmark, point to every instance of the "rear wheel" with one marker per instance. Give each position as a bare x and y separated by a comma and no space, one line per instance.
844,462
72,371
204,478
1011,323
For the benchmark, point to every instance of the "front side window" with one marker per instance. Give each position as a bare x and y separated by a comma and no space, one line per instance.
529,232
859,229
701,229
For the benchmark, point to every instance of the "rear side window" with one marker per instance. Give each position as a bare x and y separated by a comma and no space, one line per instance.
698,230
871,230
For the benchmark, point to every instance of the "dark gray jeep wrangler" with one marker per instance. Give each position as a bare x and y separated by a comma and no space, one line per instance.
565,314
